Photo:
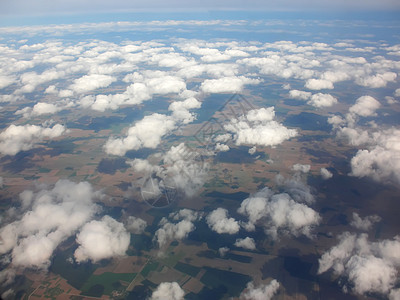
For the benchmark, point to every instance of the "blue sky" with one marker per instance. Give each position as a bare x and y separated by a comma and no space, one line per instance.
51,7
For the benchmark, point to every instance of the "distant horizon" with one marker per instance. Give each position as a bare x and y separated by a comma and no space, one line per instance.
68,17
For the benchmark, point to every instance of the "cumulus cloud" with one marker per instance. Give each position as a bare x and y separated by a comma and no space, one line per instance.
182,169
364,224
300,95
380,160
168,291
145,133
381,146
39,109
246,243
91,82
319,84
278,214
325,173
365,106
101,239
16,138
223,251
301,168
258,127
378,80
370,267
221,147
176,227
322,100
135,225
48,217
148,132
226,84
262,292
219,222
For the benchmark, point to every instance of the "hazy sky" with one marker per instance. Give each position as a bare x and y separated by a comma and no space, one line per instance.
51,7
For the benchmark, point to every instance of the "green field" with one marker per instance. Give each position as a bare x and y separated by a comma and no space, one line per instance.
105,283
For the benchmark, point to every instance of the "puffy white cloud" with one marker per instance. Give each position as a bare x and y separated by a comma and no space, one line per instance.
378,80
221,147
223,251
380,160
325,173
257,127
135,225
319,84
397,92
168,291
145,133
183,169
252,150
178,228
278,213
24,137
5,81
219,222
101,239
148,132
180,109
41,108
365,106
262,292
48,217
226,84
91,82
364,224
301,168
301,95
369,266
246,243
322,100
170,231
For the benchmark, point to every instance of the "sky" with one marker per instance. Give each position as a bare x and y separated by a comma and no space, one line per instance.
51,7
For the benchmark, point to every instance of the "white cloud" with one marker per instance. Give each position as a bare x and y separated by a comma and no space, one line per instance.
325,173
135,225
223,251
365,106
301,168
170,231
226,84
380,160
6,81
257,127
221,147
278,214
91,82
219,222
377,81
145,133
252,150
322,100
319,84
262,292
246,243
301,95
41,108
48,218
168,291
176,231
101,239
397,92
369,266
24,137
364,224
